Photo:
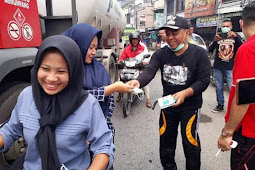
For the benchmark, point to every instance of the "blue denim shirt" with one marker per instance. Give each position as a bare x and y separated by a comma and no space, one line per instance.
98,93
86,123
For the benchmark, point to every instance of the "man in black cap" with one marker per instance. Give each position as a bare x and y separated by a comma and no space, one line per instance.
185,74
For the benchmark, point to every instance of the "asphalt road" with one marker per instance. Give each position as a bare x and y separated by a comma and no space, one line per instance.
137,136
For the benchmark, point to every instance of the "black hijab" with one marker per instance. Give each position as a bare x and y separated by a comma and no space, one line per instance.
54,109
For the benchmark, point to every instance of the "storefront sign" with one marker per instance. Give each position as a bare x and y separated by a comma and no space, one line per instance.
229,15
195,8
206,22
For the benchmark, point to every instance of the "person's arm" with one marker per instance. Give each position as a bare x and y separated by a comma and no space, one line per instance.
237,112
100,162
150,71
124,55
102,92
118,87
101,139
11,130
213,45
1,141
203,73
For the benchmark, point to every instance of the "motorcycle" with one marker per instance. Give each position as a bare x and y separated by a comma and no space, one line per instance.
131,68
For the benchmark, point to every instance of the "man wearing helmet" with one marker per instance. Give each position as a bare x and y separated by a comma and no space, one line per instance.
136,49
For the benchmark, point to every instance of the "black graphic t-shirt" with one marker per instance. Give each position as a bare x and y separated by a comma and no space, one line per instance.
191,69
225,52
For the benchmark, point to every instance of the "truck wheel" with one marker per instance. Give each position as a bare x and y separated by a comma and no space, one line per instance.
126,103
8,100
112,69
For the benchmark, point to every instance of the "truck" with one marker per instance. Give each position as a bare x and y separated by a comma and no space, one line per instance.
23,26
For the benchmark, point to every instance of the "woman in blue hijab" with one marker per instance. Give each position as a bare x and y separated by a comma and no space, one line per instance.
96,79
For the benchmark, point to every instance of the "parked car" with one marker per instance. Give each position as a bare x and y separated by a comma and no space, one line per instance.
198,40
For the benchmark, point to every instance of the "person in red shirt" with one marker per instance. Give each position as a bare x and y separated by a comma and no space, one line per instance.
240,119
137,49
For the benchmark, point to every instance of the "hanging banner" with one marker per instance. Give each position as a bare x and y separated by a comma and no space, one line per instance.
20,26
195,8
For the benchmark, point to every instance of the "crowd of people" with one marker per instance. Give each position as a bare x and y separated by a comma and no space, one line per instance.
65,115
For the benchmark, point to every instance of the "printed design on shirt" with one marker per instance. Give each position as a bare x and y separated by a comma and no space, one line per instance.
226,49
176,75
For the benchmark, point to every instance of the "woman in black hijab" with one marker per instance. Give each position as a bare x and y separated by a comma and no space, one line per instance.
56,116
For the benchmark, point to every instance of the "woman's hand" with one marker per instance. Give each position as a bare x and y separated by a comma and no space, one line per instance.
118,87
123,88
134,83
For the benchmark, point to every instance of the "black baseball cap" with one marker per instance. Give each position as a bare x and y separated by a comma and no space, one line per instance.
176,22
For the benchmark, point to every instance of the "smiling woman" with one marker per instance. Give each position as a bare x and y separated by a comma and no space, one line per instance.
52,111
53,74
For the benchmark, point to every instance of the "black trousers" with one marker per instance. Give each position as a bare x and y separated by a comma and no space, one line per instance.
169,121
243,156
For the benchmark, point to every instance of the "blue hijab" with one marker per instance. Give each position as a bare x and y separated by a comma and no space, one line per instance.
95,75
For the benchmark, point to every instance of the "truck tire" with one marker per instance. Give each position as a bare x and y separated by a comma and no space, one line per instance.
8,100
126,103
113,72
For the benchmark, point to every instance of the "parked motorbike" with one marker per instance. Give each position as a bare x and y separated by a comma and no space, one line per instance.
131,68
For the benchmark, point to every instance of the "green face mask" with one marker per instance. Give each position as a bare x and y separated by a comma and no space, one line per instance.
225,29
178,48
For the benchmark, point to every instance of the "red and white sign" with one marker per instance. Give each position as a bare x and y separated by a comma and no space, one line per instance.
20,26
19,17
27,32
13,30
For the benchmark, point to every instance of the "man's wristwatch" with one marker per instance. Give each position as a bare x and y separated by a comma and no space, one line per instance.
225,133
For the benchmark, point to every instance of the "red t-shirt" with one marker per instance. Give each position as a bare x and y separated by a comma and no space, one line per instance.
129,53
244,67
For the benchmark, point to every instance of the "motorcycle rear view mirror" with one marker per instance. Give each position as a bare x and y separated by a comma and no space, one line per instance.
146,55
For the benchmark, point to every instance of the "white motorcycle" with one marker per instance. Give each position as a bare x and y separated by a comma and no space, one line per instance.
131,68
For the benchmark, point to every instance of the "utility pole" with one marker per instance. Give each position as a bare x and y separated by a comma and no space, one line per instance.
175,3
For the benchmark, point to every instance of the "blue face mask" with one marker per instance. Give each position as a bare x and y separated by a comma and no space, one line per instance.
225,29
